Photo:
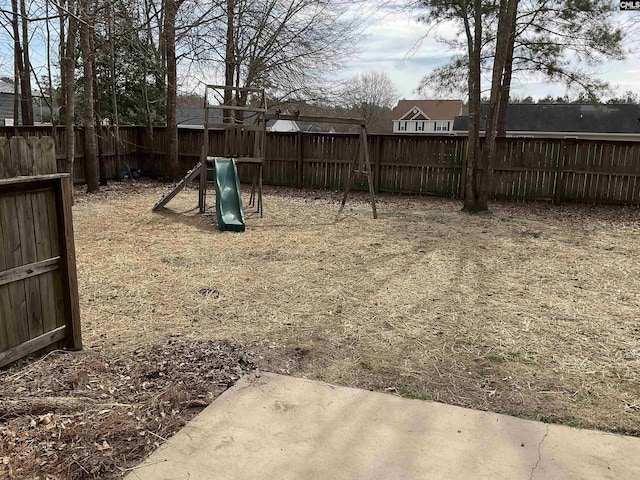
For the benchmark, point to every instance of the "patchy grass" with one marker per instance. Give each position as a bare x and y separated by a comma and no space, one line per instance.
530,311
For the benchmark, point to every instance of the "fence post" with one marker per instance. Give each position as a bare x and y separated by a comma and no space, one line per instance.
376,163
68,259
300,159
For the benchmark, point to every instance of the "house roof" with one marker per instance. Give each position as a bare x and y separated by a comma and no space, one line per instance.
572,117
6,87
306,127
434,109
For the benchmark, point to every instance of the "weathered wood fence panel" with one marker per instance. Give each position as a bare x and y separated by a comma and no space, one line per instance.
526,168
283,162
549,169
414,164
39,305
129,146
327,158
601,172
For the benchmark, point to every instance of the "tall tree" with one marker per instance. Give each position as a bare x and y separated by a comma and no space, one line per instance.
88,115
22,65
537,39
475,198
68,66
171,8
506,22
288,47
370,95
25,81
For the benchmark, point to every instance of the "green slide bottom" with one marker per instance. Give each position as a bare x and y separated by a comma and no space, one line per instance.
229,209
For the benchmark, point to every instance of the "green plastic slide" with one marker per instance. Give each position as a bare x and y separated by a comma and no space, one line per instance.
229,209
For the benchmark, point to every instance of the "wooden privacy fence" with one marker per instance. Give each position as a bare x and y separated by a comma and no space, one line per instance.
551,169
131,146
39,305
593,171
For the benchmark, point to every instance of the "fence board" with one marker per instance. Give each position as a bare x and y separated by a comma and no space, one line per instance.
596,171
38,307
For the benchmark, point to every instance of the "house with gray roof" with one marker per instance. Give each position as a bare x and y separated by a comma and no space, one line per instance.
6,104
41,112
619,121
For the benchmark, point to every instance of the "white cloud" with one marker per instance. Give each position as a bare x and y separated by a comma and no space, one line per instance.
394,42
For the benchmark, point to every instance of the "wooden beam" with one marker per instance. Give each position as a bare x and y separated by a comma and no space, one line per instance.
33,345
29,270
241,89
235,107
68,264
31,179
315,119
239,126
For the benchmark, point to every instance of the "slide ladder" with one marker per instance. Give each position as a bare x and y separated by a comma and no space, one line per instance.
191,174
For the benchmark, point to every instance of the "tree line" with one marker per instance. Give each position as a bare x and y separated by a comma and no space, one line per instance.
113,62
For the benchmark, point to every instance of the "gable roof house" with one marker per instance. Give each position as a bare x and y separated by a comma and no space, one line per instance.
606,122
426,116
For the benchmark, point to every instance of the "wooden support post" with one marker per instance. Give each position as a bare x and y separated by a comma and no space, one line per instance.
202,187
300,160
369,173
360,165
376,162
352,172
68,260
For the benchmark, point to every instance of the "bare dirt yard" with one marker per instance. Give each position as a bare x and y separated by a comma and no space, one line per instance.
532,310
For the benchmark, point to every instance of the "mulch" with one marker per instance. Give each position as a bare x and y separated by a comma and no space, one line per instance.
86,415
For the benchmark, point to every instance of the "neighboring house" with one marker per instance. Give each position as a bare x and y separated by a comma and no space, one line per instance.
426,116
41,112
565,120
6,105
293,126
283,126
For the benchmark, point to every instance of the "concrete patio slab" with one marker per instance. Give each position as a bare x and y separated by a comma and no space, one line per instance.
277,427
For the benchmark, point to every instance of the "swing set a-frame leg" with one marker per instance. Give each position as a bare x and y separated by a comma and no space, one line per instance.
361,159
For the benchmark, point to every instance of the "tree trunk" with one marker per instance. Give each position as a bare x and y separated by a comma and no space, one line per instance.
25,82
170,11
102,167
230,63
90,154
50,92
475,199
114,96
507,13
506,80
149,150
69,61
18,66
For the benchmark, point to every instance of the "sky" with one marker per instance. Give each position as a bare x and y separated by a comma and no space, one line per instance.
394,43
